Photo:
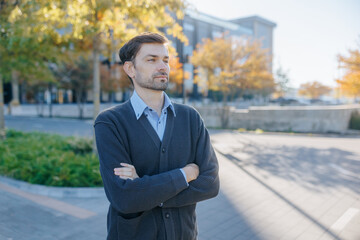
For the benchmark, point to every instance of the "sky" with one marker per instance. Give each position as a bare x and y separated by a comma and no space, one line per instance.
309,33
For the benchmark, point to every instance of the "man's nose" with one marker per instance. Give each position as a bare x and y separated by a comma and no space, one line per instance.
162,65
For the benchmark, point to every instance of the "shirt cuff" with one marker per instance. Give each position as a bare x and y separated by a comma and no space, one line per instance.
182,171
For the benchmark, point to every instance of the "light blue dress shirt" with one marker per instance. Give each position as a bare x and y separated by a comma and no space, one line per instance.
158,123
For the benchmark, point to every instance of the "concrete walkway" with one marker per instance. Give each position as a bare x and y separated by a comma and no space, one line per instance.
272,187
288,187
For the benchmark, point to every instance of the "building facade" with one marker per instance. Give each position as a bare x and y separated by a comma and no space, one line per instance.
198,26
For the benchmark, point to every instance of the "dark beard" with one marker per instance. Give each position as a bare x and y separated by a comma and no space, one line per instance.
162,86
151,84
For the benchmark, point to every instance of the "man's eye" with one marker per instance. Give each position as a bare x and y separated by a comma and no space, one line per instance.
151,60
166,61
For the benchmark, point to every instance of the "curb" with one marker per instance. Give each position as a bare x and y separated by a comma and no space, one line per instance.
58,192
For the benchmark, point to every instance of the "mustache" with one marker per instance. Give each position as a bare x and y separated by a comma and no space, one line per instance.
160,74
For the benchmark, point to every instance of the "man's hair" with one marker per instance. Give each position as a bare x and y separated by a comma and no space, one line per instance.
131,48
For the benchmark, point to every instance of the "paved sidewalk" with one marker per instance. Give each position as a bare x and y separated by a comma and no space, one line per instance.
272,187
63,126
288,187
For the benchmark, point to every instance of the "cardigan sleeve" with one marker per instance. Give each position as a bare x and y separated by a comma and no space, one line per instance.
131,196
207,184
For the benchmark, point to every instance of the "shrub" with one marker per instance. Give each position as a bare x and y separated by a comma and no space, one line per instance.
49,159
355,121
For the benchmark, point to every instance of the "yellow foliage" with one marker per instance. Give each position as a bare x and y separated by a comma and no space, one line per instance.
43,30
350,83
313,90
177,74
228,64
15,14
92,21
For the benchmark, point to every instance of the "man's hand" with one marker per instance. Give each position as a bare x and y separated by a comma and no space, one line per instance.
192,171
128,171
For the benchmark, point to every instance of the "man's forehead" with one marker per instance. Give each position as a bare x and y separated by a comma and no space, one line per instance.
154,49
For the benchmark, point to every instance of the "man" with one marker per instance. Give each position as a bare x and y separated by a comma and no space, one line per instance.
156,159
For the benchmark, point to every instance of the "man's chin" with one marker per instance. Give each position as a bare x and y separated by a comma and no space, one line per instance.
162,86
158,88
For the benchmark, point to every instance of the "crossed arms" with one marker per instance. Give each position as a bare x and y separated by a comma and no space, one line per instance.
128,171
131,193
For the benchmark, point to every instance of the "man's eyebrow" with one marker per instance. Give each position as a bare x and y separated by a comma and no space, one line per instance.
151,55
154,56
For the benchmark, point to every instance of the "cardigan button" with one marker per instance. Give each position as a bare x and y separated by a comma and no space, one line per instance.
167,215
163,150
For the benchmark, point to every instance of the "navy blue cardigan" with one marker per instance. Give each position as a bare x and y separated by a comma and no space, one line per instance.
134,211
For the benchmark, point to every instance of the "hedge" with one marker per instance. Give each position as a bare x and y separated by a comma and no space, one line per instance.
355,121
49,159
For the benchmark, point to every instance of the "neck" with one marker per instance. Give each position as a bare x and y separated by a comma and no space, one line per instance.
154,99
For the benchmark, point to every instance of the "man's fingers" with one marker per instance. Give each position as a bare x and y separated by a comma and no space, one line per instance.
124,174
127,165
123,169
124,177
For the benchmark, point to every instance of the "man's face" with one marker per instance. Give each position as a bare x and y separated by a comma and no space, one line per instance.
151,67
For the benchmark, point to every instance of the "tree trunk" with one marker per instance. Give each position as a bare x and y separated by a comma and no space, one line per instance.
50,102
96,83
15,88
225,112
96,87
2,118
80,102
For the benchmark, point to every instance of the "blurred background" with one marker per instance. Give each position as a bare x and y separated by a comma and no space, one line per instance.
287,53
276,82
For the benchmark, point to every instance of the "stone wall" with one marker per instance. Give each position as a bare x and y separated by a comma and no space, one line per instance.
317,119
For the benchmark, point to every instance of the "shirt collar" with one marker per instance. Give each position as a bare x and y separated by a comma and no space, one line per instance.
139,105
168,103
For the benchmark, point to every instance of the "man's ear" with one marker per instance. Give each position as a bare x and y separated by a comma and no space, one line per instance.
129,69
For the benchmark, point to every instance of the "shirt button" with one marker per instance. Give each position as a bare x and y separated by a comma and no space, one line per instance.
146,115
163,150
167,215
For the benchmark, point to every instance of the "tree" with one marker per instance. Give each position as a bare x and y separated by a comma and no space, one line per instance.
282,81
228,65
350,82
28,43
313,90
177,74
75,74
231,66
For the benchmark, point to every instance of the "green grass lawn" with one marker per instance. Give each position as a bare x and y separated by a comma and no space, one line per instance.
49,159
